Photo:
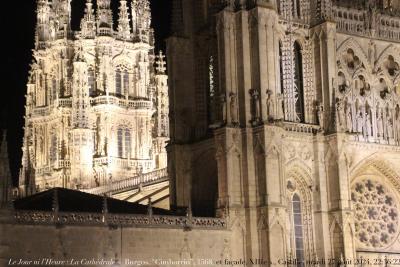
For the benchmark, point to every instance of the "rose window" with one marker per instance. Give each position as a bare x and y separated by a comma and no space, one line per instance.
376,214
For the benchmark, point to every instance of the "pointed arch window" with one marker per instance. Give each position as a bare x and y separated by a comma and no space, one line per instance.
296,8
121,82
281,77
120,136
91,82
124,142
53,148
125,78
127,147
54,88
298,80
298,230
118,82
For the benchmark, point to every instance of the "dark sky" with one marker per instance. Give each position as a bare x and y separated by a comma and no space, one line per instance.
18,27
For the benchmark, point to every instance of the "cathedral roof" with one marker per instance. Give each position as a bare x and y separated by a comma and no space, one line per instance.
68,200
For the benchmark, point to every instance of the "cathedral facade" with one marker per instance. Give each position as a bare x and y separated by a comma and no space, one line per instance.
284,140
96,104
295,106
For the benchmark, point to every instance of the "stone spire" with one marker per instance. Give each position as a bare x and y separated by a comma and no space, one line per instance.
134,8
124,28
104,17
62,11
143,19
88,26
5,174
43,21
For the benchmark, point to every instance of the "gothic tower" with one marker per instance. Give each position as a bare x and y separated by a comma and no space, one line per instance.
95,104
284,116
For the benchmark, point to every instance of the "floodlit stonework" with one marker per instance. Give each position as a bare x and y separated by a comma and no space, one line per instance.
295,107
284,144
96,104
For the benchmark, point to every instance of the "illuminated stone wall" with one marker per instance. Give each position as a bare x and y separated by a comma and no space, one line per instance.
97,99
303,109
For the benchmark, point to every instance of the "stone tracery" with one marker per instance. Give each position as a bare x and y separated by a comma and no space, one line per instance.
369,101
376,213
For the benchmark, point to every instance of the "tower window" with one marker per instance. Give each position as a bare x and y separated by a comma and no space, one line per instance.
121,82
54,88
53,149
118,82
298,230
281,76
91,82
124,142
127,147
126,81
298,76
296,8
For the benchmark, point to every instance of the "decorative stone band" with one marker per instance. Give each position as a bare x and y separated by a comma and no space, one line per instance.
361,22
301,127
141,104
99,219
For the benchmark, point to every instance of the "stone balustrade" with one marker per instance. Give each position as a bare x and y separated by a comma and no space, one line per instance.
124,103
100,100
364,23
131,163
131,183
126,220
64,102
63,164
301,127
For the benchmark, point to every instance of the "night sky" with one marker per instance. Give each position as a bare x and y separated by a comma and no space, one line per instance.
18,20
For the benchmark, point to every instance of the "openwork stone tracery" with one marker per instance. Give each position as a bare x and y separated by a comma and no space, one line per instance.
368,102
376,213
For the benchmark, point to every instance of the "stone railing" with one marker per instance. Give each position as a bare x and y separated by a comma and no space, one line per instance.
100,161
389,27
364,23
63,164
131,183
301,127
135,104
41,111
145,164
64,102
126,220
43,170
349,20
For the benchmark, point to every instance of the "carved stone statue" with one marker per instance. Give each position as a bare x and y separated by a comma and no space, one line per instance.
379,124
349,120
340,114
270,105
255,102
390,129
320,114
222,99
279,98
360,123
368,125
233,107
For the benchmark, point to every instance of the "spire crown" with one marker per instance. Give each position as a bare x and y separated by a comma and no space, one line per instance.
124,29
